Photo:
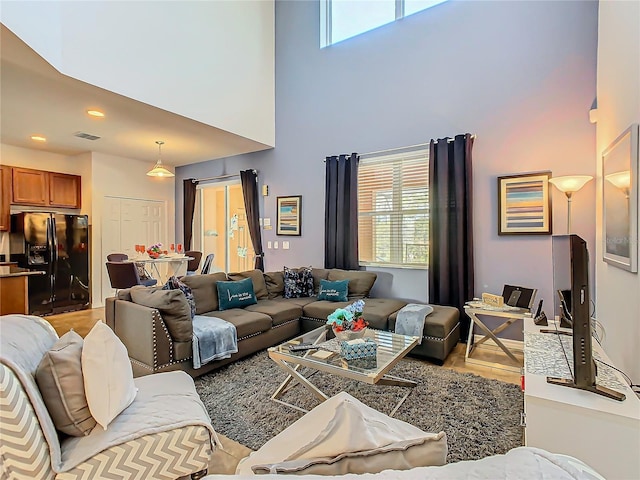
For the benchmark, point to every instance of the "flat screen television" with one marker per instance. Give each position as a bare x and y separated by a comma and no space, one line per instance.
571,282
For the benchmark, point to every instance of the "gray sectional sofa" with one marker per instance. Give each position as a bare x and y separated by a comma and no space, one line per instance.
157,335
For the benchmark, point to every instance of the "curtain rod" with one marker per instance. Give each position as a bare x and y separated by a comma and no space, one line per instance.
219,177
407,148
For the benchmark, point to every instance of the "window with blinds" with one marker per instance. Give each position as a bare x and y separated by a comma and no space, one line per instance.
393,209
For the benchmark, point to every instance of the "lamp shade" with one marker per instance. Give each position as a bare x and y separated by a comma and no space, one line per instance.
158,169
570,183
621,180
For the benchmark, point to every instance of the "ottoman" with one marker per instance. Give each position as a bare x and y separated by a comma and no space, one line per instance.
441,333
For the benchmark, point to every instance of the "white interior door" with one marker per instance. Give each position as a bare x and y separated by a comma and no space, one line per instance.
128,222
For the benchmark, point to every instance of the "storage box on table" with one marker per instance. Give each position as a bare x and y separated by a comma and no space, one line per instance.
360,348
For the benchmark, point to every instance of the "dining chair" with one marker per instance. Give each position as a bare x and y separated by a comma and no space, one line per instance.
207,264
117,257
125,275
193,264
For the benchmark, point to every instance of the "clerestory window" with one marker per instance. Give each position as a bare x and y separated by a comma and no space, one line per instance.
342,19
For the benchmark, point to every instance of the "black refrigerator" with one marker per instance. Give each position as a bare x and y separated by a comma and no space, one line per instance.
58,245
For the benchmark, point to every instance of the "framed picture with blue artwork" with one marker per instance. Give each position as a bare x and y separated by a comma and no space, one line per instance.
524,204
289,216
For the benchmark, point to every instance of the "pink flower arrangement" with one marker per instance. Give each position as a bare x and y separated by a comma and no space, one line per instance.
348,318
155,250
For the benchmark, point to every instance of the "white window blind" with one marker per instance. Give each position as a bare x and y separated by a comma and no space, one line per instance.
393,209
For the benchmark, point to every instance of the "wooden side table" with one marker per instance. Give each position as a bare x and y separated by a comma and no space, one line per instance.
510,316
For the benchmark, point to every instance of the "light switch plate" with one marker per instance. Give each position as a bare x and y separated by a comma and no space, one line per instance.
266,222
275,244
269,244
285,245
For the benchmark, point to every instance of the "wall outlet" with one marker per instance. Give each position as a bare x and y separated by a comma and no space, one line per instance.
275,245
285,245
269,244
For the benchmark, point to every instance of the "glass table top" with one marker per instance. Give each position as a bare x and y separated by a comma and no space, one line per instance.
390,348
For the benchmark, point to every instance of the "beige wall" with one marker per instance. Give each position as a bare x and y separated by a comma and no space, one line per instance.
617,291
211,61
124,177
102,175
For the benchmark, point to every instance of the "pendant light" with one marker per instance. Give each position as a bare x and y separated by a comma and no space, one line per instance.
158,170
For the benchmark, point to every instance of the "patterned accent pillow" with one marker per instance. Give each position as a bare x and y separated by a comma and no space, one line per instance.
298,283
175,284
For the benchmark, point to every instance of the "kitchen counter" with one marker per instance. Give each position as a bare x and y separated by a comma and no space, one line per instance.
11,271
14,289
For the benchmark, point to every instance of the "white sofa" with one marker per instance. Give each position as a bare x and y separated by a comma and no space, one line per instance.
165,433
344,438
521,463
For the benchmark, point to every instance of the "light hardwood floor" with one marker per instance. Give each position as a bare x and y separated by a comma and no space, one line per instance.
82,321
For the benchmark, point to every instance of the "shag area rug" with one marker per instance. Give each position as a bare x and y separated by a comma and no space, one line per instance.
481,417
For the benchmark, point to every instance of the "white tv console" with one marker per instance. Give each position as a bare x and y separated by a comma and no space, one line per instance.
601,432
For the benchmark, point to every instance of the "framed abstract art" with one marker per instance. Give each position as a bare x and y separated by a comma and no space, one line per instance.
524,204
289,215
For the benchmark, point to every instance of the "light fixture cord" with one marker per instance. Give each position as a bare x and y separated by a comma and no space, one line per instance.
159,151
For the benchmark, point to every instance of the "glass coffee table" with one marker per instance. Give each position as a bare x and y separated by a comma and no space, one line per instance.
391,348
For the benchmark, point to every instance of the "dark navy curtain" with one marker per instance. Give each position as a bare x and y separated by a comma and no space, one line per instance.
451,272
341,212
249,180
189,190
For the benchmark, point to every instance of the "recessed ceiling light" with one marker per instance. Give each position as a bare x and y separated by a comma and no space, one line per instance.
95,113
38,138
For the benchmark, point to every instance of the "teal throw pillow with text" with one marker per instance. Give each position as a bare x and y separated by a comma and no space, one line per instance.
334,291
236,294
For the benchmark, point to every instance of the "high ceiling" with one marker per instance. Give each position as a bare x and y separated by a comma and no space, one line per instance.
36,99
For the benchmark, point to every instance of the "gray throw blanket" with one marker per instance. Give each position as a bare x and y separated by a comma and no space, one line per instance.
411,318
213,339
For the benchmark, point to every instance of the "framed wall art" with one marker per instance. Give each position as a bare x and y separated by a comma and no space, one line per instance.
620,201
524,204
289,216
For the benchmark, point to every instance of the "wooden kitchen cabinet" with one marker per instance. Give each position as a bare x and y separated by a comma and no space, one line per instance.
46,189
30,187
5,198
64,190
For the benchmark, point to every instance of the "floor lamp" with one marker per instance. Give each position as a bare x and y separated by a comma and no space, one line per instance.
569,185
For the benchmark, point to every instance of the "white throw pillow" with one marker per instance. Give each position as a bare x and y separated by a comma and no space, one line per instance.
108,377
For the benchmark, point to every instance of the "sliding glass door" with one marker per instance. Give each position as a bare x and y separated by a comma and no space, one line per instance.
223,227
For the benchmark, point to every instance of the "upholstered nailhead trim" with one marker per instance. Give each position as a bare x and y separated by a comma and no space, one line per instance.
140,364
157,320
285,323
317,320
438,339
425,337
250,335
